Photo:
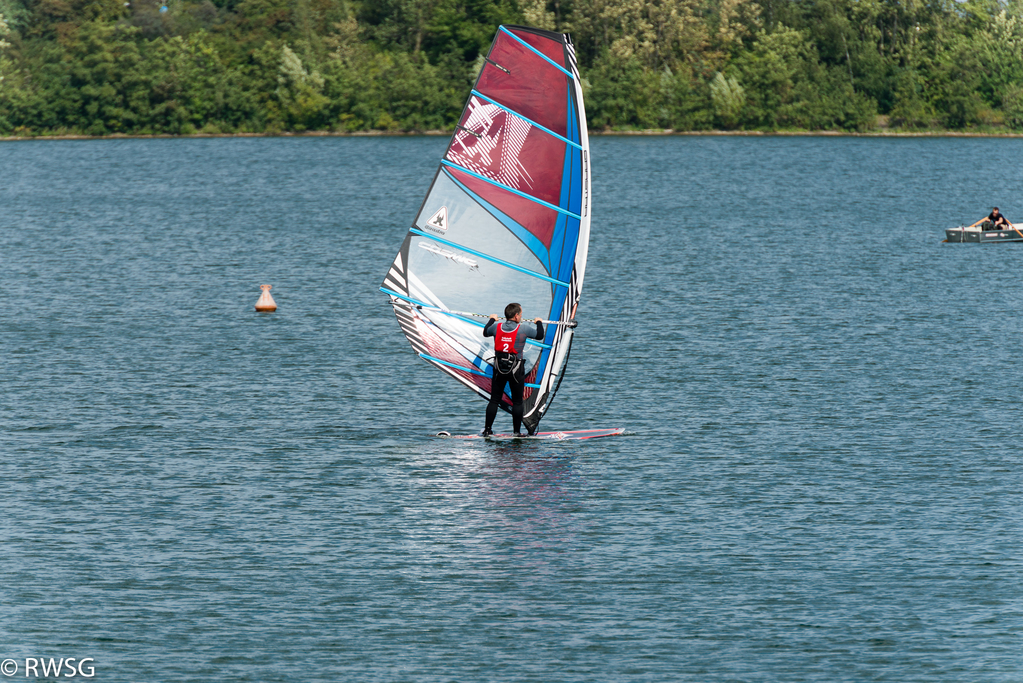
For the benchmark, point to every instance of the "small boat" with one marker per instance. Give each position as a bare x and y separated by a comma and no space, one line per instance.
971,233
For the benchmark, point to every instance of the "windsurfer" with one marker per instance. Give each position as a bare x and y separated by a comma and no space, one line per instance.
509,341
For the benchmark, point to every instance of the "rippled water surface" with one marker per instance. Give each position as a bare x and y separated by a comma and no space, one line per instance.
821,479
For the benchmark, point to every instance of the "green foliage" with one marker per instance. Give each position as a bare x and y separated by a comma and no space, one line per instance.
770,71
955,92
682,102
999,55
911,110
729,98
302,105
618,96
830,102
184,66
4,32
12,12
1013,106
393,91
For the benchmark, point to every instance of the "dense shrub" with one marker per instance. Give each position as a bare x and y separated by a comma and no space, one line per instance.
185,66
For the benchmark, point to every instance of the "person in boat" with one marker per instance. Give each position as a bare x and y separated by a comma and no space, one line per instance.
994,221
509,341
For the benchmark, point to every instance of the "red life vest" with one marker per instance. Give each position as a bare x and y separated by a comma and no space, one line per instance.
505,341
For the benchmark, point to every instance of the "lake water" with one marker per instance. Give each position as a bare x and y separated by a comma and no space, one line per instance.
822,478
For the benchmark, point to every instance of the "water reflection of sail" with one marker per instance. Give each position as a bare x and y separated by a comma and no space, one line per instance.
493,512
528,502
506,218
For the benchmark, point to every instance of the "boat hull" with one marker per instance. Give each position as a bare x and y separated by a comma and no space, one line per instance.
976,235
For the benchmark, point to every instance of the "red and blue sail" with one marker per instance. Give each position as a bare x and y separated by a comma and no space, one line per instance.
507,218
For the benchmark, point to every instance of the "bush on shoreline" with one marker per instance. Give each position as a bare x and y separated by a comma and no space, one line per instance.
109,67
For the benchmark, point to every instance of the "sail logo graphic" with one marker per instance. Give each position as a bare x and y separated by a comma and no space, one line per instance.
451,256
439,220
494,151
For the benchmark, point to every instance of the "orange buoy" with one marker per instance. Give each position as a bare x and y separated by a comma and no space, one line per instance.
266,303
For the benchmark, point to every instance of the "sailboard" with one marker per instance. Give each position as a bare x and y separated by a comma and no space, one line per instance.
506,218
568,435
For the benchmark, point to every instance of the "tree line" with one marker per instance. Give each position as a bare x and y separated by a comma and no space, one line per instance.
100,67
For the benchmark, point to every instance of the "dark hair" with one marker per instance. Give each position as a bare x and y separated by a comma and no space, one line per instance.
512,310
994,208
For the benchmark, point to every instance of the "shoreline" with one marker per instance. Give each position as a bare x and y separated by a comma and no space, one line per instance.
594,133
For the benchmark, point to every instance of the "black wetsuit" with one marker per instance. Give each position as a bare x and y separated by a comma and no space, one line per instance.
516,380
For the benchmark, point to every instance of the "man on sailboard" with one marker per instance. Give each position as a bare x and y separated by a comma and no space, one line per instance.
509,341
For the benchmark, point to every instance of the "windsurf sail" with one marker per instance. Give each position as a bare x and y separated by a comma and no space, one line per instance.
507,218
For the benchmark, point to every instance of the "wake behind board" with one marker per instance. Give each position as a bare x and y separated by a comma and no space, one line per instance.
571,435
